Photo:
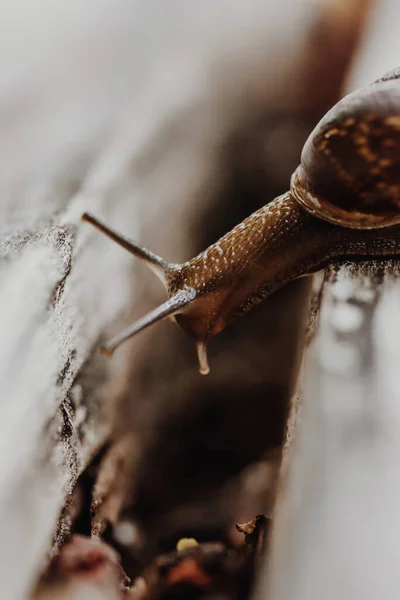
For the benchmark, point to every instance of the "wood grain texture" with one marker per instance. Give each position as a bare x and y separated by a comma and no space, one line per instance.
338,519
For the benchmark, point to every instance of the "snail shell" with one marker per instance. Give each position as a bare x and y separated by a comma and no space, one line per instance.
350,164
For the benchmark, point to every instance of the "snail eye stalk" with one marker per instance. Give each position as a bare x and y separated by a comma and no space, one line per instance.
169,308
162,268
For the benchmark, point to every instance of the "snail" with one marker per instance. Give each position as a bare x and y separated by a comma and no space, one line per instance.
344,201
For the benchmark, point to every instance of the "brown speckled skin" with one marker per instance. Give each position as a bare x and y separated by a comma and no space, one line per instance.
349,184
276,244
350,164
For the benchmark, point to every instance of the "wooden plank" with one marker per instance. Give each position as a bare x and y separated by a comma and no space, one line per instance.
338,521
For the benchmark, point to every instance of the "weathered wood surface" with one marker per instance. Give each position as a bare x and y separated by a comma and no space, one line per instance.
338,519
114,108
110,108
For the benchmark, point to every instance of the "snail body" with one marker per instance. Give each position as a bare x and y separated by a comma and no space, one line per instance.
344,201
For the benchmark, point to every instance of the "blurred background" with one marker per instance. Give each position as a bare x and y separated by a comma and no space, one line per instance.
171,121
